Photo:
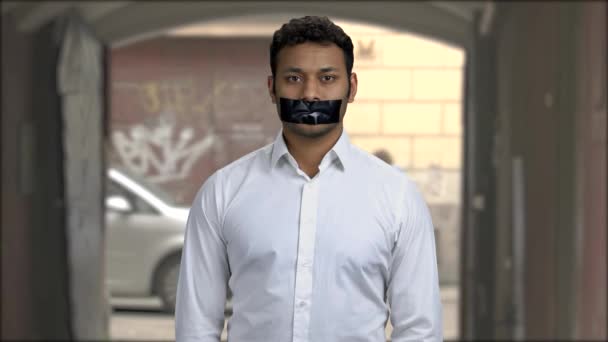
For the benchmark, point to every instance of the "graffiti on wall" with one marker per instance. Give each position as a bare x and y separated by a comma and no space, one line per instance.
438,185
434,184
155,147
144,150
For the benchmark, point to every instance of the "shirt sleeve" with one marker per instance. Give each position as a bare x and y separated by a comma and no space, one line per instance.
413,288
204,271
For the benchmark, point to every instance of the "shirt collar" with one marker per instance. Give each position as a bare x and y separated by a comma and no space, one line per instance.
341,149
279,149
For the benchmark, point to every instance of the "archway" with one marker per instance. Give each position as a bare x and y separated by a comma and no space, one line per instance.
264,25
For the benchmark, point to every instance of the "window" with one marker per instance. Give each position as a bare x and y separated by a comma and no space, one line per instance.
139,205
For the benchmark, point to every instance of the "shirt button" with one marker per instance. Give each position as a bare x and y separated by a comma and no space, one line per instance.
302,304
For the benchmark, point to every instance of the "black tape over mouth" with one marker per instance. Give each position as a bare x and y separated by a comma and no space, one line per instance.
310,112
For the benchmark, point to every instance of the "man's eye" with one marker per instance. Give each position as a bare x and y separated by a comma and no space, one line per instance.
328,78
293,78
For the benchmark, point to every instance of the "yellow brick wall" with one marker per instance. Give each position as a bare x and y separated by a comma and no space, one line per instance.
411,118
437,84
440,151
409,98
363,118
383,84
452,119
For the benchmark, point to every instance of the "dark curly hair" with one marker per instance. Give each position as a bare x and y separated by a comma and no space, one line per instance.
311,29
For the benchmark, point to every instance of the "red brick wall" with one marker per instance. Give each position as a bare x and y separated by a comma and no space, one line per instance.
210,93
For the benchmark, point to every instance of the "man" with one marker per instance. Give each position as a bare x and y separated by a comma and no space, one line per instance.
315,238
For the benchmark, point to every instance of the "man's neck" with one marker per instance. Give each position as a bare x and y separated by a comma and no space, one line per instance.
308,152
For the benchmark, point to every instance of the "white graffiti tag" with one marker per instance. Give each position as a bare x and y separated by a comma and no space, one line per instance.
434,185
137,151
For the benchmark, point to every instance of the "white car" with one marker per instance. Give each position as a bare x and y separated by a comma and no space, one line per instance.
144,239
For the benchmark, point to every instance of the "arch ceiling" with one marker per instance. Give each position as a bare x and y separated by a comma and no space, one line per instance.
121,22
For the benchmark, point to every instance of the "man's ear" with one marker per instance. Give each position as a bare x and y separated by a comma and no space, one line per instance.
273,96
353,87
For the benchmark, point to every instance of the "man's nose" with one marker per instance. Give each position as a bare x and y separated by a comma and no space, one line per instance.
310,91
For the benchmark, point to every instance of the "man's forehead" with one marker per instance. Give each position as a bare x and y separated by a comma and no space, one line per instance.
327,57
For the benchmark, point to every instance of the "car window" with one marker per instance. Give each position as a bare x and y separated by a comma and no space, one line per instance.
140,206
156,190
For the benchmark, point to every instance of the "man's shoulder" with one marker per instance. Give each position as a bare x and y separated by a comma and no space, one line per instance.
394,179
375,166
246,161
238,168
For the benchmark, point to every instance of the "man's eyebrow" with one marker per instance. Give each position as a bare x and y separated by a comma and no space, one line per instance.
293,69
300,70
328,69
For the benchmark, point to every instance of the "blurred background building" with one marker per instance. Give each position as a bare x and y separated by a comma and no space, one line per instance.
497,110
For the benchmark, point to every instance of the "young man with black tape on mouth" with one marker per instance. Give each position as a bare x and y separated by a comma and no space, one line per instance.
317,240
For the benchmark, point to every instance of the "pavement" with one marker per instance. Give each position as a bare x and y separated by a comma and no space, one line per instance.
141,319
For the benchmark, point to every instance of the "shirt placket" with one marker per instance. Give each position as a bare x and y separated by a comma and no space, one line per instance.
305,259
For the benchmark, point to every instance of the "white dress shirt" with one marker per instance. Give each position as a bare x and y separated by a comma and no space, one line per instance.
317,259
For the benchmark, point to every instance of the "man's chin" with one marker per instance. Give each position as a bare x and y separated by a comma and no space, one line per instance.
309,131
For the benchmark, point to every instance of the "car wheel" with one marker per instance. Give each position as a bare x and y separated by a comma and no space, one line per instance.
166,282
